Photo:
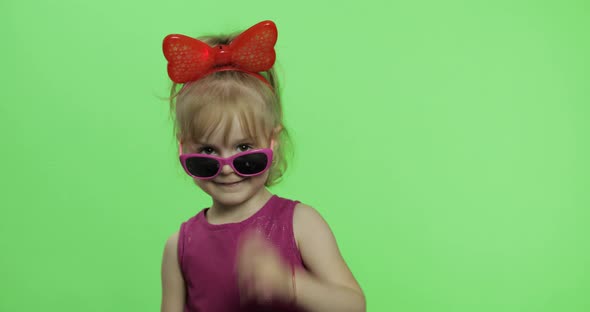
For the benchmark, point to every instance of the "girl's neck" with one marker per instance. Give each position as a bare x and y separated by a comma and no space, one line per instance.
219,213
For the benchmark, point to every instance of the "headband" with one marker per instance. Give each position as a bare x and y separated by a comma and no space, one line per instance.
252,51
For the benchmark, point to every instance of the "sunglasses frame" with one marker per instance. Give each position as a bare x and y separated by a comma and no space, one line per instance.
226,161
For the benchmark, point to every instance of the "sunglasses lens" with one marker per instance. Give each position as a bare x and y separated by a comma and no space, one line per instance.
202,167
251,163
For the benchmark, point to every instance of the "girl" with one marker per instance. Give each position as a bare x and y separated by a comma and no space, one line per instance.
251,250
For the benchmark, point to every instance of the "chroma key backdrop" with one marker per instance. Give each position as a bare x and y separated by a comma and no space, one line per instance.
445,142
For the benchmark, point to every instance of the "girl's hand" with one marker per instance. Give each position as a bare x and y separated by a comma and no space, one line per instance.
263,276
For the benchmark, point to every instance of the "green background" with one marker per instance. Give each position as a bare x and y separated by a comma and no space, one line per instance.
445,142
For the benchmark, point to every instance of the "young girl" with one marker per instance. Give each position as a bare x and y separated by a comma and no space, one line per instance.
251,250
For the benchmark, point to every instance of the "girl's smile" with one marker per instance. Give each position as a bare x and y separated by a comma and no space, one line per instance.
230,185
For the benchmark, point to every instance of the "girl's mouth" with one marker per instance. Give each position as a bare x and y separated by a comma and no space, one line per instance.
229,184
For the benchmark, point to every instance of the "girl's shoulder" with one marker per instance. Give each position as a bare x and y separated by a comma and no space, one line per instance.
301,211
319,249
306,218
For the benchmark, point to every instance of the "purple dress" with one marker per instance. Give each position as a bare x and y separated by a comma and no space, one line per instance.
207,256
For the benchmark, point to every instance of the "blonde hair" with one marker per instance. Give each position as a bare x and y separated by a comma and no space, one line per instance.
202,106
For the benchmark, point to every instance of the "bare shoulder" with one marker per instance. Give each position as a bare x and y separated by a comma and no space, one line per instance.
319,248
173,288
302,214
172,241
171,248
306,219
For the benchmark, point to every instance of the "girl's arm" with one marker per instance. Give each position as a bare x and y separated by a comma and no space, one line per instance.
329,285
173,292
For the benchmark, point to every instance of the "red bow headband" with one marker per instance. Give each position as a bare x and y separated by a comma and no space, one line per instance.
190,59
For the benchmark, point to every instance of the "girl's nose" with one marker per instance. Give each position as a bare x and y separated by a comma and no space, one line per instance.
226,169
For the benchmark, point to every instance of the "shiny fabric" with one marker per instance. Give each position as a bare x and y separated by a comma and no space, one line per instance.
207,256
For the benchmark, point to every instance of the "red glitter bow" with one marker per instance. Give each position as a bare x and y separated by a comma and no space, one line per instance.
252,51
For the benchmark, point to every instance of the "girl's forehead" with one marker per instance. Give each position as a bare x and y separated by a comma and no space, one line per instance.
229,132
221,136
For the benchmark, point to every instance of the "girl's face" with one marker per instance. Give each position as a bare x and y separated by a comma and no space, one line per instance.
228,188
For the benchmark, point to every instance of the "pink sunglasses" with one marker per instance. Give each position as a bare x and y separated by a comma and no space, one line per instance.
246,164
